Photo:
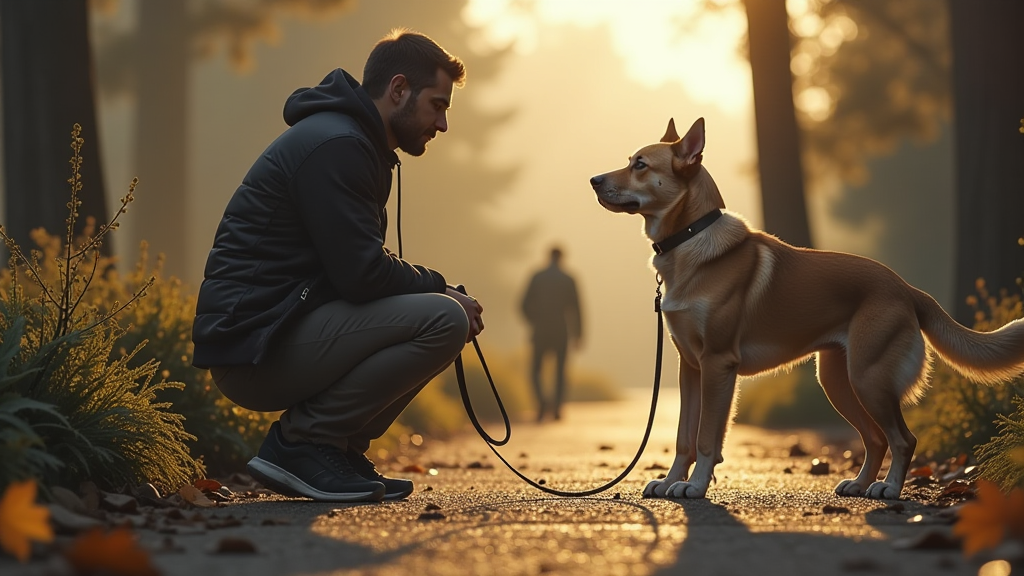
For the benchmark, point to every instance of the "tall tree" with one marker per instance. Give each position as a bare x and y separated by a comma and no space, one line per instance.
47,88
778,136
988,57
163,53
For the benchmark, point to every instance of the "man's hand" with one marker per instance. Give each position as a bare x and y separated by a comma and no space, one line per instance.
473,311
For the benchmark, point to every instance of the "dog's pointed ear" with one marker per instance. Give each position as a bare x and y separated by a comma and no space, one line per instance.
688,151
671,136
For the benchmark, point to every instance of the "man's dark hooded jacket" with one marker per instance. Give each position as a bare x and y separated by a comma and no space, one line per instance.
306,226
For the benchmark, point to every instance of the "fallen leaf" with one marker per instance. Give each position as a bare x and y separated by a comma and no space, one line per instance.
68,499
118,502
116,553
985,522
656,466
193,496
207,485
920,471
233,545
606,447
830,509
431,516
431,506
22,521
957,489
414,468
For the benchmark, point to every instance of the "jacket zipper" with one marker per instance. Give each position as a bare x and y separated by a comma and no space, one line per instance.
305,291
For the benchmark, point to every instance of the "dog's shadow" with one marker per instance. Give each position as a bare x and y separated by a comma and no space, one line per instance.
720,543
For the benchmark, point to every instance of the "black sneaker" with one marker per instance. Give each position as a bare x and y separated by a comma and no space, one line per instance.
318,471
394,488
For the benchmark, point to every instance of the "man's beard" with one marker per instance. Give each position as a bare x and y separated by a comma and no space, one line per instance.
407,133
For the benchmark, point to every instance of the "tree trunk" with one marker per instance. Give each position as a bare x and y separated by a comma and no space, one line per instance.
988,90
159,214
778,137
47,88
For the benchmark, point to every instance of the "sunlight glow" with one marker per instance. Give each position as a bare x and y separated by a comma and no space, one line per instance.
658,41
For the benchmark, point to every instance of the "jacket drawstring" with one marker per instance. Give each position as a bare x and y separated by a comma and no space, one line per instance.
399,164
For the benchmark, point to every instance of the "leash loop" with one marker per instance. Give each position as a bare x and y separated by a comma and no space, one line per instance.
493,444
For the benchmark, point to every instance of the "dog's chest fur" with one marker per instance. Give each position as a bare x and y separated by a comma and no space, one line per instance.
706,297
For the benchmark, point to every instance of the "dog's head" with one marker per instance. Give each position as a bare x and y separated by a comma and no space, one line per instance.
662,181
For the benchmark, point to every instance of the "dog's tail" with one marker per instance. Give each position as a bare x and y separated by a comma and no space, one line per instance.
984,357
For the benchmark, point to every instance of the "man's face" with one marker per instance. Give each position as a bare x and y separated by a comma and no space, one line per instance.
423,116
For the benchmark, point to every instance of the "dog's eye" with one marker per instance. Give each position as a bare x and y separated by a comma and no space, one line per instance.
639,165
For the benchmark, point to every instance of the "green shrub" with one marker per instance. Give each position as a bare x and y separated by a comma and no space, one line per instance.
22,420
71,408
226,435
1001,459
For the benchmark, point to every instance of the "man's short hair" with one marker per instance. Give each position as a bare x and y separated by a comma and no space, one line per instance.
413,55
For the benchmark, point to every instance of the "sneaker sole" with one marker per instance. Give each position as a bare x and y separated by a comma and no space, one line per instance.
285,483
398,495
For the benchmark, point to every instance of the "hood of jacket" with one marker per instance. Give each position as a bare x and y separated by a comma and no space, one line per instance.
340,92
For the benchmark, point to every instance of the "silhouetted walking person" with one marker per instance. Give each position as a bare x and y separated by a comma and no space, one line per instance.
551,306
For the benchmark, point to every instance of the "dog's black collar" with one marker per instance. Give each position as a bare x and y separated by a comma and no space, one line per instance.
687,233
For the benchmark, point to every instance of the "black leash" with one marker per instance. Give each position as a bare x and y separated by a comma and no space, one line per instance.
492,443
460,374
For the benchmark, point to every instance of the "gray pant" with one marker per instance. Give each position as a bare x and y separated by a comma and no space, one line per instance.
540,350
344,372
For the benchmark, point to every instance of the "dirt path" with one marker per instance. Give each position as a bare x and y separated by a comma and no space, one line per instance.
758,519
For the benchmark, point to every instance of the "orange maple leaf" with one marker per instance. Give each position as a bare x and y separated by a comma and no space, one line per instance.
207,484
22,520
115,553
987,521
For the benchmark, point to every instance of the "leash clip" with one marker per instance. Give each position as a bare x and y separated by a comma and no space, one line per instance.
657,295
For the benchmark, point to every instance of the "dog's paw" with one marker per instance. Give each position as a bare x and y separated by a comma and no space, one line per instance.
849,488
883,491
656,489
683,489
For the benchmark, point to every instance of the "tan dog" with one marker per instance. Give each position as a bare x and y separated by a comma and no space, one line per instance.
741,302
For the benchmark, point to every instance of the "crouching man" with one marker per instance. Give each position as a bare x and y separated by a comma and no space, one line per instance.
302,308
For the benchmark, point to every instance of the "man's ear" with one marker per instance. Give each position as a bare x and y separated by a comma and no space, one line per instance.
671,135
396,87
687,153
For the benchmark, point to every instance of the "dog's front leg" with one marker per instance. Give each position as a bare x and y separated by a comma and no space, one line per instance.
717,386
686,436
